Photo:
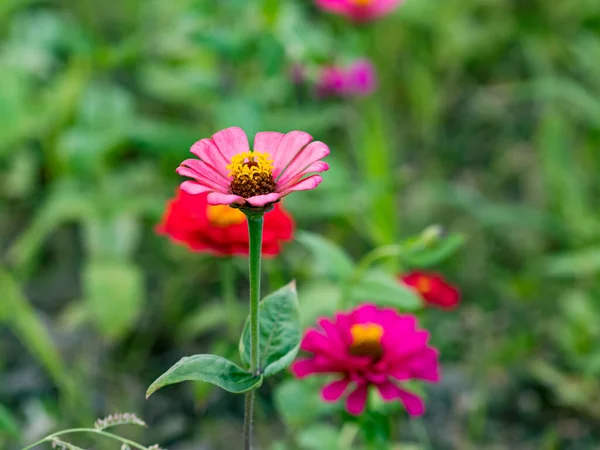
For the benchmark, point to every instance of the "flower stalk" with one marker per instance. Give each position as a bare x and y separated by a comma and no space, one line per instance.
255,229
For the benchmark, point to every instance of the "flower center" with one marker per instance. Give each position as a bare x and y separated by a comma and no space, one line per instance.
361,2
252,174
424,285
366,340
223,215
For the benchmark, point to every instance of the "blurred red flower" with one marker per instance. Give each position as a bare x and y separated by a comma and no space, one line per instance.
359,10
433,288
369,347
220,229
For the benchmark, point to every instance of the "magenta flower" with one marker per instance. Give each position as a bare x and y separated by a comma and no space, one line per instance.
359,10
361,76
233,174
370,347
333,81
358,78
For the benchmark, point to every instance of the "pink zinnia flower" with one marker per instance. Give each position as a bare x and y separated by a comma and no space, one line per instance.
233,174
358,78
359,10
433,288
370,347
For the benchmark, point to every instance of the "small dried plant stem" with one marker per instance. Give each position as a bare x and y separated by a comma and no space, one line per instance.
255,230
90,431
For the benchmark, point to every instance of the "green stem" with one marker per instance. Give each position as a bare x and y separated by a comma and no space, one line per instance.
228,294
255,229
248,417
87,430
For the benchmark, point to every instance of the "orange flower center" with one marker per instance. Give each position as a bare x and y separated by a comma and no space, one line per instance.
366,340
424,285
361,2
224,216
252,174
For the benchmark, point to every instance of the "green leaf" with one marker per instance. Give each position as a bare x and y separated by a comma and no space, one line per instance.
114,294
385,290
329,259
280,331
427,256
211,369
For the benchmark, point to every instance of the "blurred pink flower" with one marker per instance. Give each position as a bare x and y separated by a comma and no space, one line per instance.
332,82
359,10
359,78
369,347
233,174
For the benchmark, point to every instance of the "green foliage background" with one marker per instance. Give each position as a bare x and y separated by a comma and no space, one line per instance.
486,120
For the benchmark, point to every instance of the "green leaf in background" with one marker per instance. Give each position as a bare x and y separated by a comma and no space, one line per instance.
319,437
8,423
299,402
427,256
329,259
21,318
318,299
114,294
573,264
384,290
65,202
280,331
211,369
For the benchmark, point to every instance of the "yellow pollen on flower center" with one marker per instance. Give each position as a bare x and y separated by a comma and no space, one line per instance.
252,174
223,215
424,285
366,339
361,2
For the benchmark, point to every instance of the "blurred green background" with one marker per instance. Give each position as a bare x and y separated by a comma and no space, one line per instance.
486,120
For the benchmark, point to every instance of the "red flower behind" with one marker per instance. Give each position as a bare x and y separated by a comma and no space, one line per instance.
433,288
369,347
220,229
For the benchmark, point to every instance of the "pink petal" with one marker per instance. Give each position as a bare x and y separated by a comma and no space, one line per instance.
335,334
365,313
356,401
267,141
334,390
288,148
187,172
413,403
305,185
262,200
207,171
305,367
207,151
315,342
313,152
192,187
231,141
319,166
217,198
424,365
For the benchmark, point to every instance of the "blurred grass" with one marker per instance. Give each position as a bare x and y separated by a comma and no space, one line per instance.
486,121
